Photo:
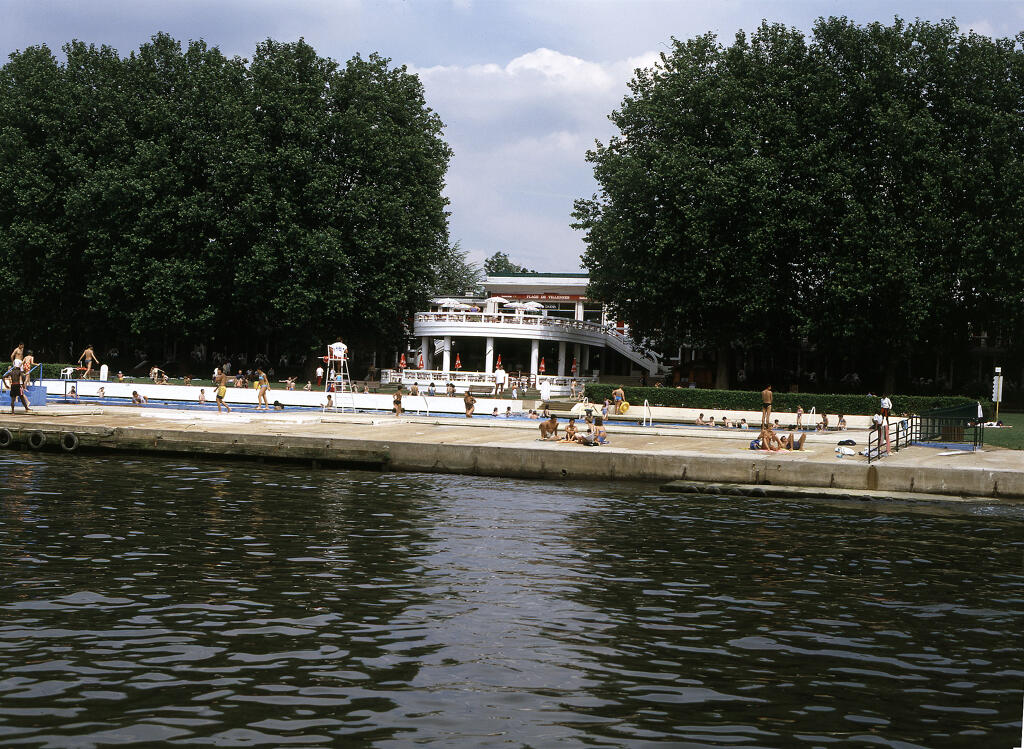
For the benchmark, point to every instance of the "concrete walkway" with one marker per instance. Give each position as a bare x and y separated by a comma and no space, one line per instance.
499,447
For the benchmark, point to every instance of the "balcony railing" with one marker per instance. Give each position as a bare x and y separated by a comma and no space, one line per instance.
559,323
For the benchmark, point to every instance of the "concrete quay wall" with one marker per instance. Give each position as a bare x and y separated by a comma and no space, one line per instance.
386,443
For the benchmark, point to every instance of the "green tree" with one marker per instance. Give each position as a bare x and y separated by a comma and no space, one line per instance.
177,194
455,274
499,264
857,190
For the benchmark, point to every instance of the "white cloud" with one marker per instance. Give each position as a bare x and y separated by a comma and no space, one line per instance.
520,132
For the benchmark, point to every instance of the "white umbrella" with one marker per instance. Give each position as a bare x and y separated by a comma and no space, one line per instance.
460,305
498,300
533,305
446,302
514,305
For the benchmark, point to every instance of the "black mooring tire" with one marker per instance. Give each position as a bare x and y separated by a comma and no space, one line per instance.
69,442
6,438
36,440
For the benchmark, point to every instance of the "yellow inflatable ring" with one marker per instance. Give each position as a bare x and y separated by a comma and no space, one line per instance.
623,407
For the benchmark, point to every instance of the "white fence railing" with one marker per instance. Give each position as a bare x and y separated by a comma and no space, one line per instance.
560,323
423,377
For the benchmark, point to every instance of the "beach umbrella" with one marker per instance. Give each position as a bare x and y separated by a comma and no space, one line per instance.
421,361
498,300
401,362
458,362
533,305
541,367
446,302
573,368
460,305
513,305
499,361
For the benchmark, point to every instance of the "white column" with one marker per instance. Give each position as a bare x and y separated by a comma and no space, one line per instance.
576,356
489,356
585,360
561,359
534,356
579,310
426,346
446,361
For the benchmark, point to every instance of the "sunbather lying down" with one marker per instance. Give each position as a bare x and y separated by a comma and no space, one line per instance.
768,440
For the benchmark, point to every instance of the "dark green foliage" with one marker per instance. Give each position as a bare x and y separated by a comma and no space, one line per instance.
177,195
455,274
857,193
499,264
746,400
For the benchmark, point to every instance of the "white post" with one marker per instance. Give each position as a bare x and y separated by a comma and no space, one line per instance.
489,356
446,360
561,358
534,356
579,310
585,360
427,347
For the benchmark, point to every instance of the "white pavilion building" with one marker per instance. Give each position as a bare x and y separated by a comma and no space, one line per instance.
540,326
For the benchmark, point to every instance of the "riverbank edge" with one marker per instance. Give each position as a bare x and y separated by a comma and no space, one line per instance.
516,460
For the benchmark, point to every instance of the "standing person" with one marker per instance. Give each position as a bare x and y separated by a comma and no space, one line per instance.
500,377
221,381
799,417
766,405
878,424
397,401
618,396
470,403
319,376
89,357
262,385
26,366
18,352
17,393
202,395
885,405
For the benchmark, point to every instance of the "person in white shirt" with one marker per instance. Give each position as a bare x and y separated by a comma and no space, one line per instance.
499,381
885,405
338,350
319,375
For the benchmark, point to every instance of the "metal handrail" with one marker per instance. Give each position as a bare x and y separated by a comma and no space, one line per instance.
920,430
648,418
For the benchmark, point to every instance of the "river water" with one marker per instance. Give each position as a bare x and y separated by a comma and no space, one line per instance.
193,603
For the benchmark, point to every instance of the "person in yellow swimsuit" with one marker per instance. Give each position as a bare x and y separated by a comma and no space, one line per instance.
222,389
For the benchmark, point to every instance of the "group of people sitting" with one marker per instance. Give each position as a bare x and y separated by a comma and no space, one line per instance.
591,433
726,422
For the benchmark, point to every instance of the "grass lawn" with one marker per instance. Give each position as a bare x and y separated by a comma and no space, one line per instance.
1012,438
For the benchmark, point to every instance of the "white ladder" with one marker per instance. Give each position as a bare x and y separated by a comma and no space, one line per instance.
338,378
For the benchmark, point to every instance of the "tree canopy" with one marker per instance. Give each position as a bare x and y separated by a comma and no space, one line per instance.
178,195
856,192
500,264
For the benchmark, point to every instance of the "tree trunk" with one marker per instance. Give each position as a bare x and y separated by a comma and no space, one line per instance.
890,379
722,373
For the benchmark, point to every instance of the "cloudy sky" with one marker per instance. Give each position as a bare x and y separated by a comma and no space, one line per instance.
523,86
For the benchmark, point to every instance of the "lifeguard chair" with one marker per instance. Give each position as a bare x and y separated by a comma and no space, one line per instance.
338,381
